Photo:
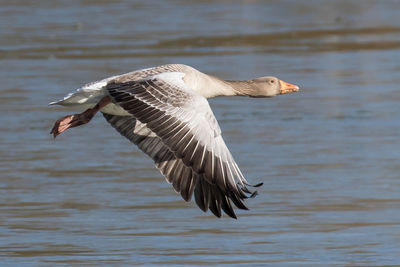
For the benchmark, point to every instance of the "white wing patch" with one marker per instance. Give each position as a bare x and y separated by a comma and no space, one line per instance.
172,78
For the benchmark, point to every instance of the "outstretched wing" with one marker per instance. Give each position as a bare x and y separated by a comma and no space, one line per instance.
181,134
184,180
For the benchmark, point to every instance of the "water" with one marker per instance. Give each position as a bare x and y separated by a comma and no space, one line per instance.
329,155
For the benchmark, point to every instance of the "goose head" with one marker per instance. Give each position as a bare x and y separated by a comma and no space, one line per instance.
271,86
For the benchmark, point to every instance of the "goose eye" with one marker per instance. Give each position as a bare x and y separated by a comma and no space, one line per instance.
272,81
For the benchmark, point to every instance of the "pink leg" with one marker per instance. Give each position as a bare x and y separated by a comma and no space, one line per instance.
75,120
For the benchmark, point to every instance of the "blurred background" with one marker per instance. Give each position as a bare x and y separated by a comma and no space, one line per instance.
328,155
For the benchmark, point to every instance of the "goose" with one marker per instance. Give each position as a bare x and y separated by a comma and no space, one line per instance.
164,111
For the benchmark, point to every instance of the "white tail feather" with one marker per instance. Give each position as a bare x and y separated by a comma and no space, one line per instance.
89,95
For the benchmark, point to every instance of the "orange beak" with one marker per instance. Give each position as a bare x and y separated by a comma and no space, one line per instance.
287,88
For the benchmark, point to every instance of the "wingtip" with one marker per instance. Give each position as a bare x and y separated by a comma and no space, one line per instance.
233,216
254,185
254,194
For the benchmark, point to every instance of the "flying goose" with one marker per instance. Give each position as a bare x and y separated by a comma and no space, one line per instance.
164,111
